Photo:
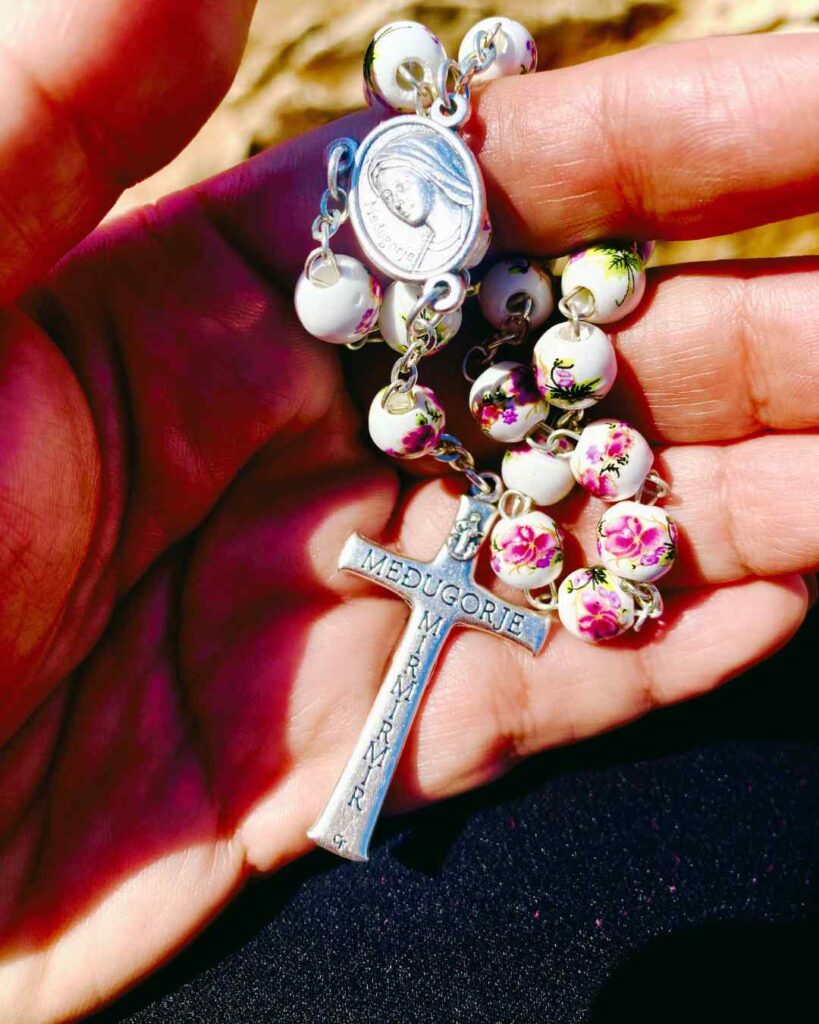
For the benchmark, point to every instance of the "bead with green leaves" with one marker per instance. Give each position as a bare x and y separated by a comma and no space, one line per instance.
607,279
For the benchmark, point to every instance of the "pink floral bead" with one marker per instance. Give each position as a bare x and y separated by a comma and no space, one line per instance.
526,552
637,542
411,427
506,403
593,605
611,460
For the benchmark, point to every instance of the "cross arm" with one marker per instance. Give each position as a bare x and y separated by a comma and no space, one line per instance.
397,573
479,608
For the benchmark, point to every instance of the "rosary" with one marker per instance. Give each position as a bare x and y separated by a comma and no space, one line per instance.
414,194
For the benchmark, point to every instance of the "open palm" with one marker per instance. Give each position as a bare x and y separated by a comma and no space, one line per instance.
184,671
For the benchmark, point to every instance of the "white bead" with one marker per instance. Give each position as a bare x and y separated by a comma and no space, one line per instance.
399,298
611,460
593,604
615,276
516,50
506,403
411,427
541,475
637,542
574,373
401,42
343,311
516,276
526,552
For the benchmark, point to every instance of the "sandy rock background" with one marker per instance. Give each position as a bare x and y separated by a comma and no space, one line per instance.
302,68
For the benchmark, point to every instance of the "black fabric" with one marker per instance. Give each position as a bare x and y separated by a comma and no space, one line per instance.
663,871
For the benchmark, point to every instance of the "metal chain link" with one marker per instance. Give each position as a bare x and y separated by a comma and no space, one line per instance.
513,331
547,437
404,374
577,306
542,603
411,75
422,339
424,98
514,503
446,69
481,58
653,490
648,600
453,103
423,315
487,485
333,210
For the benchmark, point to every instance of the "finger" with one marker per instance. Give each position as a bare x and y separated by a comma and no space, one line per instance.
492,704
96,94
722,350
689,140
675,141
186,376
265,206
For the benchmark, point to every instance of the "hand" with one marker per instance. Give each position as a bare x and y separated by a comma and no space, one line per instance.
184,671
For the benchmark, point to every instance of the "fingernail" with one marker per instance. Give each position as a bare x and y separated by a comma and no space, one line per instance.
812,588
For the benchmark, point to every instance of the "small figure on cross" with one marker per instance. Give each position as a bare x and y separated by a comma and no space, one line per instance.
466,536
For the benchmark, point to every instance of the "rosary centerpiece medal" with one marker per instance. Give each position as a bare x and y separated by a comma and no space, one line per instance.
417,200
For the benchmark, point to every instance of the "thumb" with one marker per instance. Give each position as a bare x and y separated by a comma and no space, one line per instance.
94,95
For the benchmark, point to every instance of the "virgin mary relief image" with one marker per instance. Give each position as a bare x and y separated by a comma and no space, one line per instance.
418,207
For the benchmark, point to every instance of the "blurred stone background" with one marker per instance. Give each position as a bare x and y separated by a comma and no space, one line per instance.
302,67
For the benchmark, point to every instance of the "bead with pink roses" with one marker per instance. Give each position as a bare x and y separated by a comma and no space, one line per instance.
526,551
637,542
506,403
594,605
406,425
611,460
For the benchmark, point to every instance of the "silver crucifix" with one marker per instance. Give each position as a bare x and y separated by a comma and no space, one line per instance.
442,594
